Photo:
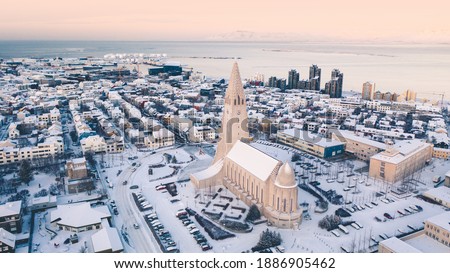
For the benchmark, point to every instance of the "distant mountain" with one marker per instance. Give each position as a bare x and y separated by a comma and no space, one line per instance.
242,35
433,36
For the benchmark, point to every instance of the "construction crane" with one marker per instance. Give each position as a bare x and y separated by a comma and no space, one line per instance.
442,95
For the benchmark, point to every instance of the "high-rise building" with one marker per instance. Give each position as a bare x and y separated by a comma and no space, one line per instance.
293,78
409,95
394,97
281,83
303,84
272,82
314,76
334,86
368,90
378,95
314,83
331,88
387,96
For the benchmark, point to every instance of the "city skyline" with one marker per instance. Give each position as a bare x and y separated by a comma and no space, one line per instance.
143,21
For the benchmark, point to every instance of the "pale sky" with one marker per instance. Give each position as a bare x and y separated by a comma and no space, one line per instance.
199,20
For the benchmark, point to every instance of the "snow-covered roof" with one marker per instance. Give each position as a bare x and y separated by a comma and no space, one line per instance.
401,151
442,220
351,136
161,133
442,193
399,246
79,160
311,138
106,239
409,146
7,238
210,171
79,215
427,244
10,208
253,160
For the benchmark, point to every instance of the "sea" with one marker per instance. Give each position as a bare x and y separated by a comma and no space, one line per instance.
394,67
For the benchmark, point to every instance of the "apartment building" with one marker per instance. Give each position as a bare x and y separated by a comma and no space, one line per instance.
400,160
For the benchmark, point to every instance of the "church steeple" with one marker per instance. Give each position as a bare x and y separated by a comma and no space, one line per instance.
235,89
234,119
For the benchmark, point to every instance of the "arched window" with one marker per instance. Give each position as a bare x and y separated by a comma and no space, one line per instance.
234,101
262,196
239,99
278,203
284,204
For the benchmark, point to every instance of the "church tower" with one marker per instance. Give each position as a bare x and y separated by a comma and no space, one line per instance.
234,118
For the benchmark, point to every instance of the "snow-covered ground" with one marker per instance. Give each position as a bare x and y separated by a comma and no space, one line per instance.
40,181
309,237
189,159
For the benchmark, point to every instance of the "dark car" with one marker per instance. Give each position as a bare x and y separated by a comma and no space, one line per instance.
134,187
206,246
387,215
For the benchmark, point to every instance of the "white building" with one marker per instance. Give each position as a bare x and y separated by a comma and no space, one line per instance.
201,134
107,240
51,147
95,144
79,217
160,138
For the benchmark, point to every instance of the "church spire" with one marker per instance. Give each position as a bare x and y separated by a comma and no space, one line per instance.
235,88
234,117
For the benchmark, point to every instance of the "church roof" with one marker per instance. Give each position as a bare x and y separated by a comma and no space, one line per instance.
210,171
253,160
286,177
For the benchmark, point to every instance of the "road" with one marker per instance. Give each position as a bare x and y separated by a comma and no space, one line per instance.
140,239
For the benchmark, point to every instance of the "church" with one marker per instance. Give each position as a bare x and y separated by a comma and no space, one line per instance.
250,174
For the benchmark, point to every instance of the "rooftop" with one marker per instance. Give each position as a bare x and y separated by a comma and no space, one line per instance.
442,193
7,238
401,150
210,171
10,208
311,138
442,220
352,136
106,239
399,246
253,160
79,215
426,244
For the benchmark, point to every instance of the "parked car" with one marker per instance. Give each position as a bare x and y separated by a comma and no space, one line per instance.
387,215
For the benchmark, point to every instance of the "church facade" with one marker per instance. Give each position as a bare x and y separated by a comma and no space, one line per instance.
250,174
